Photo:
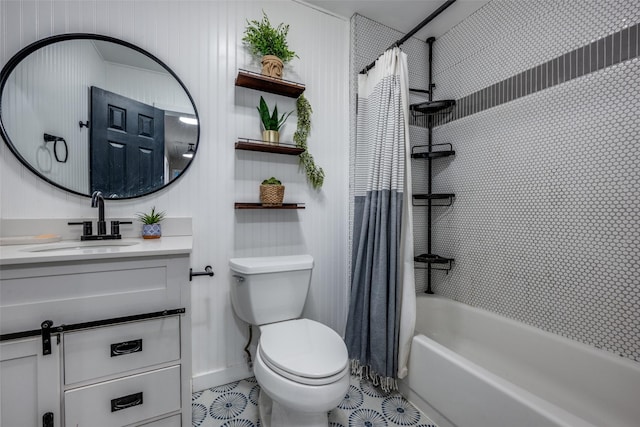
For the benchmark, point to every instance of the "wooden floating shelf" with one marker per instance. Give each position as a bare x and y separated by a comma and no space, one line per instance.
260,206
256,145
257,81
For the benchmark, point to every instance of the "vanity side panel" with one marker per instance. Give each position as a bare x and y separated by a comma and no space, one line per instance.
179,274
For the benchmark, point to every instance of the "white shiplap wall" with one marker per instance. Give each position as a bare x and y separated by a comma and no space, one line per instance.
201,42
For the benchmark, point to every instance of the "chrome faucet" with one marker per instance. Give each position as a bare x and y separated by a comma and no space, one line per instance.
97,201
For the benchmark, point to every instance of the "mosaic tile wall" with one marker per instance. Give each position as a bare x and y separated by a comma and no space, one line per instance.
545,227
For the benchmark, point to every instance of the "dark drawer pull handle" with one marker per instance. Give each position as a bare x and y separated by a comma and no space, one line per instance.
47,420
126,347
125,402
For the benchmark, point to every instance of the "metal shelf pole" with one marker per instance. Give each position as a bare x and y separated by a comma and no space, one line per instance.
430,41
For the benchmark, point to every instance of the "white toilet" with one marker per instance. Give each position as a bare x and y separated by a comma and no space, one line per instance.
301,365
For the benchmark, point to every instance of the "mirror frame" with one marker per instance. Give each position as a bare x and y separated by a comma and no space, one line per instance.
26,51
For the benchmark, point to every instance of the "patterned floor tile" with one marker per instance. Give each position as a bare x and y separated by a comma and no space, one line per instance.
236,405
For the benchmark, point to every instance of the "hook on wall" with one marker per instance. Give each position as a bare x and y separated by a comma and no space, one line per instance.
83,124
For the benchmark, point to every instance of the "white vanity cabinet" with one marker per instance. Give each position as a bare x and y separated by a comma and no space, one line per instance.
120,347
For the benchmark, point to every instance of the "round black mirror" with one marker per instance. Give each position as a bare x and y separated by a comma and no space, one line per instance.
89,113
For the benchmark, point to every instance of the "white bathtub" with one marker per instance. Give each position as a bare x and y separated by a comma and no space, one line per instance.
470,367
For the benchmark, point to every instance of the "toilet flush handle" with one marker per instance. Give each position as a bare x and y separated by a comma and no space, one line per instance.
238,278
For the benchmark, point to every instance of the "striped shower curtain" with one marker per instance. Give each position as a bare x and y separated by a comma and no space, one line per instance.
382,304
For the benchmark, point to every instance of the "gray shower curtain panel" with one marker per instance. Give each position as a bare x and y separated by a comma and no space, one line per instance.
373,325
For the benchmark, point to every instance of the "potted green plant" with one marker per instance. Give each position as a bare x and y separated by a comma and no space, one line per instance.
151,223
271,192
270,43
271,122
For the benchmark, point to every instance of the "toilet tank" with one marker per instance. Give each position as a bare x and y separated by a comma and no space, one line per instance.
270,289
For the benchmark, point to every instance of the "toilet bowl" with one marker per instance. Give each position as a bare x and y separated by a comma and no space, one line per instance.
300,364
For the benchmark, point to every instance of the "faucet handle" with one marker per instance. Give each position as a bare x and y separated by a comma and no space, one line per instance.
87,227
115,227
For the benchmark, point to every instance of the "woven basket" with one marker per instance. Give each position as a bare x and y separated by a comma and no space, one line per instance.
272,66
271,195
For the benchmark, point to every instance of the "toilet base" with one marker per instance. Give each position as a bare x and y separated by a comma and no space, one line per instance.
272,414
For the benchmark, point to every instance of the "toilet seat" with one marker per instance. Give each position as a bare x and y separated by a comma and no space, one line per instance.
304,351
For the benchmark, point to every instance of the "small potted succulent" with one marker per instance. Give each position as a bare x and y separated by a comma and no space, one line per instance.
271,122
151,223
270,43
271,192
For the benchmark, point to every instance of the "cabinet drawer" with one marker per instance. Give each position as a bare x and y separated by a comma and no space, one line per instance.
95,353
174,421
124,401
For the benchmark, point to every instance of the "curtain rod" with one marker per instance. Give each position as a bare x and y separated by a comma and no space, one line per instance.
410,34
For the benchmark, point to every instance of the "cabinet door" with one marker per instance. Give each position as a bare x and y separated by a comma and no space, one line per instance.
30,383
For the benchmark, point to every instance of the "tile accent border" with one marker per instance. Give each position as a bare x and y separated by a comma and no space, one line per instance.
595,56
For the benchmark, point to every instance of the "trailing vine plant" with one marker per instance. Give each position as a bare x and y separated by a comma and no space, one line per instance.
315,174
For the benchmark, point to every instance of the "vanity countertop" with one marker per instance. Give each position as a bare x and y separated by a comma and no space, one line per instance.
75,250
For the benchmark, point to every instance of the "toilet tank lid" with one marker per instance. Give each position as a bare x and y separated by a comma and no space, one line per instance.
272,264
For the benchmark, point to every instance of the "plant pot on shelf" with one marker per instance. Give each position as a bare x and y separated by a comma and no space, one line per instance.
271,136
151,231
272,66
271,195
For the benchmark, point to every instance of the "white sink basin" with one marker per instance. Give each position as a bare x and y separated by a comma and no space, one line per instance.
83,246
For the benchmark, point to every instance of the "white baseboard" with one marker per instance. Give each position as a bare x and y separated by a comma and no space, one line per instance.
221,376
